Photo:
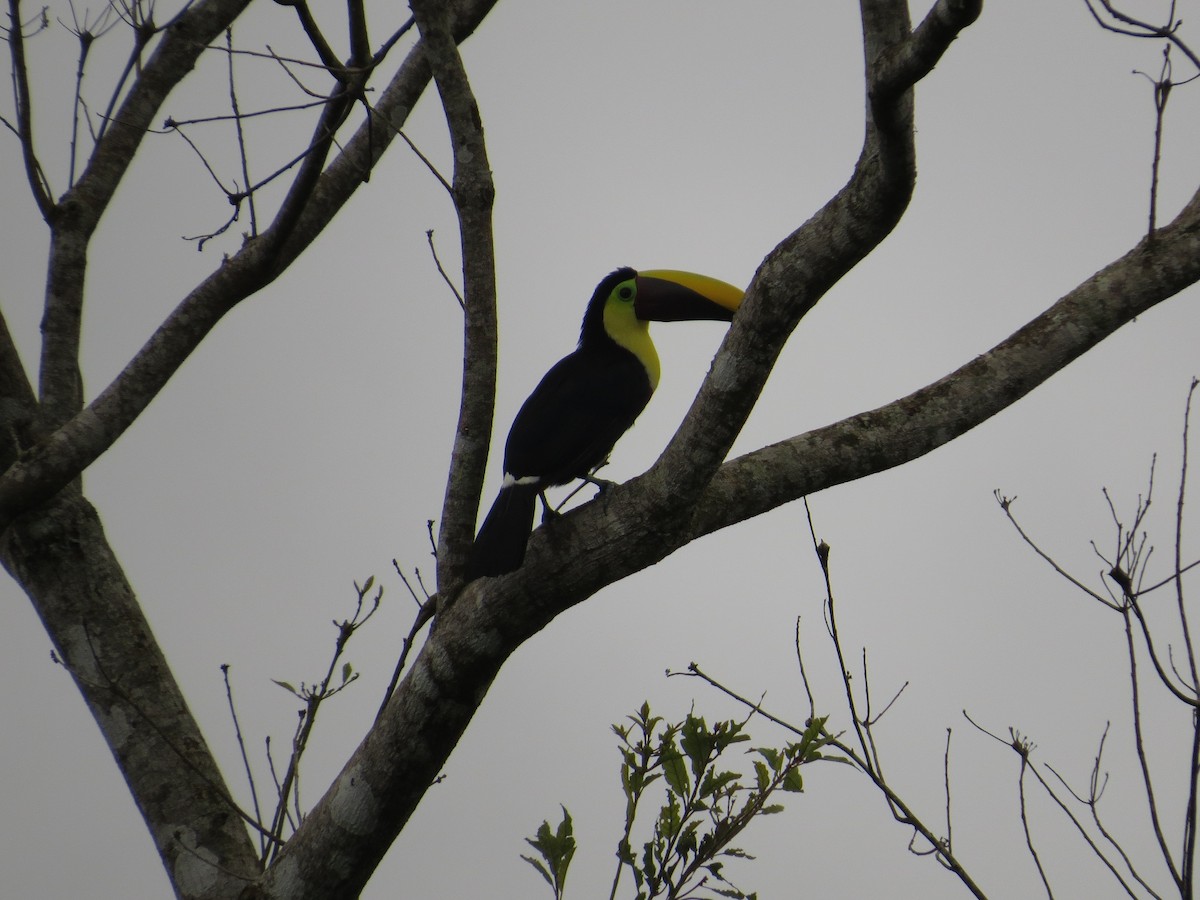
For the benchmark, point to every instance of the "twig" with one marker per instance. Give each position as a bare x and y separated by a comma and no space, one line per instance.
1141,29
328,58
900,810
289,788
1190,818
241,134
446,278
946,779
426,609
1096,788
1024,748
237,730
1037,861
822,551
812,703
1179,507
1006,505
86,33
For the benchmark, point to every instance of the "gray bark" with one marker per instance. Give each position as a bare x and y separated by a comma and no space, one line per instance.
53,545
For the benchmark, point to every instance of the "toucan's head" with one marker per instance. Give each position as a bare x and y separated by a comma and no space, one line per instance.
657,295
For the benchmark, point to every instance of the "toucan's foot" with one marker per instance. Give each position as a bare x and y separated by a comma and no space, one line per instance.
602,484
549,514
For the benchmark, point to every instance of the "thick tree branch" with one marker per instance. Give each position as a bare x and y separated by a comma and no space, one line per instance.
473,193
17,402
806,264
905,63
912,426
59,555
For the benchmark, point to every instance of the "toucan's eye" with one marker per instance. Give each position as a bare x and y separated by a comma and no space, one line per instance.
626,292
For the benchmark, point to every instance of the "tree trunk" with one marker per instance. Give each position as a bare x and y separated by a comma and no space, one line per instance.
59,555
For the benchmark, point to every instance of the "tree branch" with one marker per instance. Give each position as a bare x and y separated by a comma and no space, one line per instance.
924,420
806,264
74,218
20,73
60,557
473,192
65,453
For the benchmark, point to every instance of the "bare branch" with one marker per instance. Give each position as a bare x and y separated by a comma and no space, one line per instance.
38,185
473,193
60,458
237,731
1179,566
312,31
441,271
87,33
241,135
902,812
1131,26
1006,505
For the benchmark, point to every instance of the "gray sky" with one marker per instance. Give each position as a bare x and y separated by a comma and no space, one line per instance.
304,445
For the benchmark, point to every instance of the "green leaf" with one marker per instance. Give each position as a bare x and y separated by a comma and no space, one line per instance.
837,759
688,842
669,817
537,865
675,770
287,686
696,742
793,781
763,776
625,852
772,756
557,848
346,670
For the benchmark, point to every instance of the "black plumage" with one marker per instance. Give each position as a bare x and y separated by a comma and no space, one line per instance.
569,424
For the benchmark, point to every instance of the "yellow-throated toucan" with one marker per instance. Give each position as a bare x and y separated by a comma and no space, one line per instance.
589,399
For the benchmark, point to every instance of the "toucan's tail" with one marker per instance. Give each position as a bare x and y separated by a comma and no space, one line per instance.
500,544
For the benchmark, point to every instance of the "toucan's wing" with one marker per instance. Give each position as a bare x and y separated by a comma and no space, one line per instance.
574,416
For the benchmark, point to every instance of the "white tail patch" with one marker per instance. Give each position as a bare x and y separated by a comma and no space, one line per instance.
510,480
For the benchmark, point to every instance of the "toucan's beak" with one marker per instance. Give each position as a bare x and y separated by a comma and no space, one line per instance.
667,295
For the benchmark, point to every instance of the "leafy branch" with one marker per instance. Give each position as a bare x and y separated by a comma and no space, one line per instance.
706,805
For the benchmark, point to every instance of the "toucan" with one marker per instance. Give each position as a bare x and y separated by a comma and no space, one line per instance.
569,424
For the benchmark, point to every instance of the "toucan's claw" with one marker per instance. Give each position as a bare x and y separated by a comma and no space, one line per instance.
549,513
602,484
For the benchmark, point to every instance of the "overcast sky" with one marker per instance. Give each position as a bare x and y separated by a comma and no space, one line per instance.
305,444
